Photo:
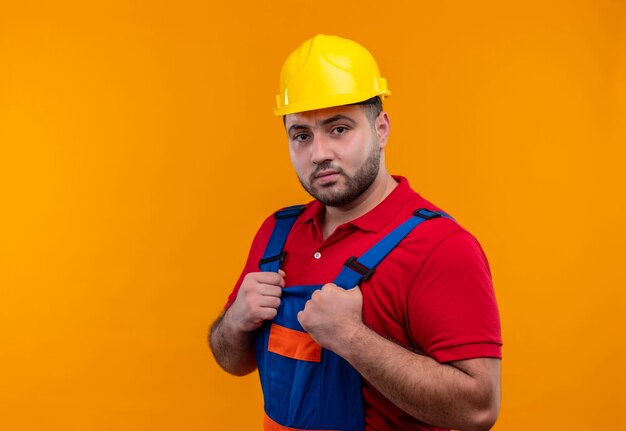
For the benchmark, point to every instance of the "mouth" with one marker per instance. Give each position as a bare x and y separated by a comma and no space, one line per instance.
326,176
325,173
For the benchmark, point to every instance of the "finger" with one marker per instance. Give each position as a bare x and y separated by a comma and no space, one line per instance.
282,273
316,293
269,302
267,313
270,278
330,286
270,290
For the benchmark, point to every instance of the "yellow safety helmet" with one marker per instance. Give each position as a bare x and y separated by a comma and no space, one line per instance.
328,71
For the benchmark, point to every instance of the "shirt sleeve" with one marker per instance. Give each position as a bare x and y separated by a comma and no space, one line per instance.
453,314
254,255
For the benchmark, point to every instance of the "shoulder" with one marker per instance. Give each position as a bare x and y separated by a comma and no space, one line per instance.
267,226
444,231
454,264
458,254
439,243
452,308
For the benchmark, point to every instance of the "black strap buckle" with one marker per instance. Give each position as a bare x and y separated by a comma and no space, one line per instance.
279,257
426,214
289,212
360,268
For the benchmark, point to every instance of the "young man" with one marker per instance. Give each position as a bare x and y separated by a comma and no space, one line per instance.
418,324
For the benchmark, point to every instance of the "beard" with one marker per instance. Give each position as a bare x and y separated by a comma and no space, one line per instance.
354,185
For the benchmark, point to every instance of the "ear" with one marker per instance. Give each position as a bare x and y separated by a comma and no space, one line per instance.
382,126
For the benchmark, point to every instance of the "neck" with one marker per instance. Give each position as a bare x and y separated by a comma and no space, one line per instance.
382,186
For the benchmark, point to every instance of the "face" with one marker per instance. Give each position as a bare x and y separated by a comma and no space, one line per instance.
336,152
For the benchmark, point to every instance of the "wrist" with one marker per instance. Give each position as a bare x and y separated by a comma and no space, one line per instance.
232,327
349,347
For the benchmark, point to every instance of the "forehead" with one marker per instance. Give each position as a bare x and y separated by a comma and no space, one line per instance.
322,116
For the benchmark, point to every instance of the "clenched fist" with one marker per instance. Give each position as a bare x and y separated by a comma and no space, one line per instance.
333,315
257,300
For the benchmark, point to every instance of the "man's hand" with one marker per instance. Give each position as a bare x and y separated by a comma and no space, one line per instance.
231,337
332,316
257,300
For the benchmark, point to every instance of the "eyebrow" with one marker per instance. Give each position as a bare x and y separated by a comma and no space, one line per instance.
337,118
324,122
297,127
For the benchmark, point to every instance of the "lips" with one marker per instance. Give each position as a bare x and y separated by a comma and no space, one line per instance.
325,173
326,176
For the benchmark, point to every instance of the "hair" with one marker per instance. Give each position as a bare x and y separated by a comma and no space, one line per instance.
372,107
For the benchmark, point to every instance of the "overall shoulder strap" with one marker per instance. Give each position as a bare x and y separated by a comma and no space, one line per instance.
357,270
274,254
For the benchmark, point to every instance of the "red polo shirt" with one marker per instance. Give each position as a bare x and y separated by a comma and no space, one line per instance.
432,294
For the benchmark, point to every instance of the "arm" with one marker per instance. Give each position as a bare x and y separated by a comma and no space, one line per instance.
233,349
231,336
462,395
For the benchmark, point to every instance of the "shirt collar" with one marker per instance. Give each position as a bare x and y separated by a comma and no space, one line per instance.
375,219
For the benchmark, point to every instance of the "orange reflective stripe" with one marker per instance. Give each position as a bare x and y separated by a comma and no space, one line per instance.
270,425
293,344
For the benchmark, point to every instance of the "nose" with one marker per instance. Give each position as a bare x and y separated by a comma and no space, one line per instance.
321,150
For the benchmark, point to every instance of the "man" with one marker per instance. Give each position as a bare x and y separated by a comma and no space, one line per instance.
420,328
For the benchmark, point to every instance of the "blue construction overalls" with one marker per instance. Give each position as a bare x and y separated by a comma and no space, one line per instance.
306,387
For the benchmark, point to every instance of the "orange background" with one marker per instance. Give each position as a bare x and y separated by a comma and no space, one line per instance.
139,153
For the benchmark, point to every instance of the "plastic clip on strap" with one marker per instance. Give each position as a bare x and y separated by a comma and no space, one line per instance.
280,257
289,212
357,270
427,214
355,266
274,254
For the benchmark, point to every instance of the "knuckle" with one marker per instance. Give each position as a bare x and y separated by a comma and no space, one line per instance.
305,308
249,277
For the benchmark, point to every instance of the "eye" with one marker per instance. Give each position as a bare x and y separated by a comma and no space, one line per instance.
339,130
300,137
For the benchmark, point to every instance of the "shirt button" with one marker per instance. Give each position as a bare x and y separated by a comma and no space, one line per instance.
317,255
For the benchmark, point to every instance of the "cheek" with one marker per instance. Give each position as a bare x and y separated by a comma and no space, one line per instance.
298,162
355,154
293,155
